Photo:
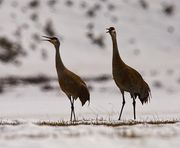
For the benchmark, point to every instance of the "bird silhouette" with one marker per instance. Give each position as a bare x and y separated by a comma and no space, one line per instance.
127,78
70,83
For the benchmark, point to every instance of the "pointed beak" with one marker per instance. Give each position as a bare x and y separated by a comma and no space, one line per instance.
107,30
46,38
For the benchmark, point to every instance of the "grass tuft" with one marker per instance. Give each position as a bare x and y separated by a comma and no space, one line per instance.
108,123
105,123
12,123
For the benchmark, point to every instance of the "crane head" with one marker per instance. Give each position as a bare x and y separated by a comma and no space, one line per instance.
111,30
54,40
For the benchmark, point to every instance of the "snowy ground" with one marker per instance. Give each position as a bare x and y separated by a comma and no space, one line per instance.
36,106
149,41
30,135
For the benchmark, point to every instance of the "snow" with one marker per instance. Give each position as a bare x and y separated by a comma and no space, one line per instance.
35,106
144,43
29,135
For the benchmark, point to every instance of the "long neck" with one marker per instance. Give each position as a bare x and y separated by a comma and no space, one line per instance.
117,61
59,64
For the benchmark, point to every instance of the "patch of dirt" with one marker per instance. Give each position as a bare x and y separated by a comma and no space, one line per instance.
1,1
143,4
168,9
10,50
14,81
100,78
157,84
51,3
34,4
49,29
69,3
97,40
43,81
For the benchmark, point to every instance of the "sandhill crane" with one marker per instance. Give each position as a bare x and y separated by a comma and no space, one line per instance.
70,83
127,78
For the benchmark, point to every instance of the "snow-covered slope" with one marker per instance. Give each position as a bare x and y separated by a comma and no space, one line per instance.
148,38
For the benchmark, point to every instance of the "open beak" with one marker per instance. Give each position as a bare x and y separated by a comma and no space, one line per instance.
107,30
46,38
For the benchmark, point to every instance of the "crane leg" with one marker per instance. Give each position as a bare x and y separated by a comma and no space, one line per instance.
73,109
71,115
123,103
134,107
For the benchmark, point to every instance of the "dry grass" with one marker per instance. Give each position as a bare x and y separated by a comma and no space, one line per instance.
105,123
11,123
93,123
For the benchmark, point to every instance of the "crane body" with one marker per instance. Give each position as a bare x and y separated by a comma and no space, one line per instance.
70,83
126,78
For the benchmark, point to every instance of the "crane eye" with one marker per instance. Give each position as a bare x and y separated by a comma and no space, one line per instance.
54,40
113,31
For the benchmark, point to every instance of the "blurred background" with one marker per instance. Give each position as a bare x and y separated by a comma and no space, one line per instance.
148,35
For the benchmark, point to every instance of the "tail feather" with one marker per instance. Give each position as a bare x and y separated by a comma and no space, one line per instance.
84,95
145,99
145,94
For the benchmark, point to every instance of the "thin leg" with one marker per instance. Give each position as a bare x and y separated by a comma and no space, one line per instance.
134,107
73,109
71,116
123,103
